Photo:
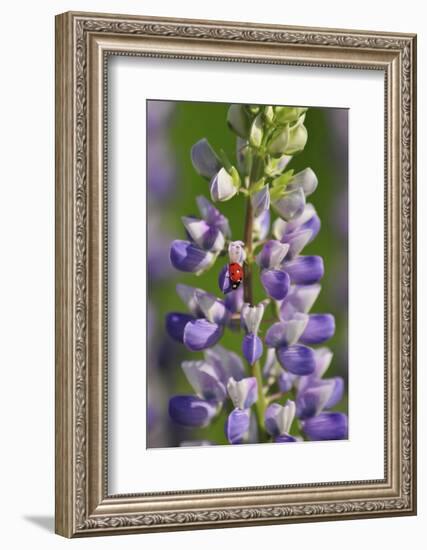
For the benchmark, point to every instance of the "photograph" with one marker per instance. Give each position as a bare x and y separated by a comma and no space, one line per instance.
247,273
235,273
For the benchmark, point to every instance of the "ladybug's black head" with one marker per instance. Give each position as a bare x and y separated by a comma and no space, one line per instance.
235,285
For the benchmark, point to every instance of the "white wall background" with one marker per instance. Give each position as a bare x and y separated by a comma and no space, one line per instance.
27,273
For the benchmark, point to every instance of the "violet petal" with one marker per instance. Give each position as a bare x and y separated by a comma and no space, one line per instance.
191,411
212,215
204,159
320,327
297,359
337,393
286,333
275,282
252,348
237,426
272,254
313,399
201,334
185,256
305,270
327,426
175,325
300,298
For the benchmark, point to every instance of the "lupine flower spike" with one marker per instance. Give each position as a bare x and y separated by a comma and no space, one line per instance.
288,399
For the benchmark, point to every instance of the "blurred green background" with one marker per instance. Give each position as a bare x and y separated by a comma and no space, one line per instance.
326,153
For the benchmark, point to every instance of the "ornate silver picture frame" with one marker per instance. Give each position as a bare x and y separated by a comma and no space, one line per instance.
84,42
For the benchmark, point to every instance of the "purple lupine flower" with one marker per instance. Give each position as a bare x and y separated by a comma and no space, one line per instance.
320,327
186,256
305,270
204,235
275,281
191,411
307,221
189,296
286,333
213,216
208,233
316,394
298,232
175,325
207,239
299,299
327,426
237,425
212,308
227,364
234,298
224,281
210,379
252,348
201,334
278,421
272,255
205,381
243,394
297,359
204,159
314,398
290,336
205,326
251,317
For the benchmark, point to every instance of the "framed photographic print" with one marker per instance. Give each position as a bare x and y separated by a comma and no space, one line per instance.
235,274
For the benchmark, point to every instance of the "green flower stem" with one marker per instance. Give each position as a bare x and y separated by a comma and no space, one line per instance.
247,281
261,403
274,397
260,243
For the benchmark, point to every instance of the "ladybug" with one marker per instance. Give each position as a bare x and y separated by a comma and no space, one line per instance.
235,272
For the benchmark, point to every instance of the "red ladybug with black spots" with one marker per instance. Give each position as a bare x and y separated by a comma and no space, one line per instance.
235,272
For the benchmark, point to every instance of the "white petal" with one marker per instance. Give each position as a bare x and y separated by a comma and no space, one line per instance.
323,360
212,308
306,179
286,417
252,316
236,252
222,187
279,228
